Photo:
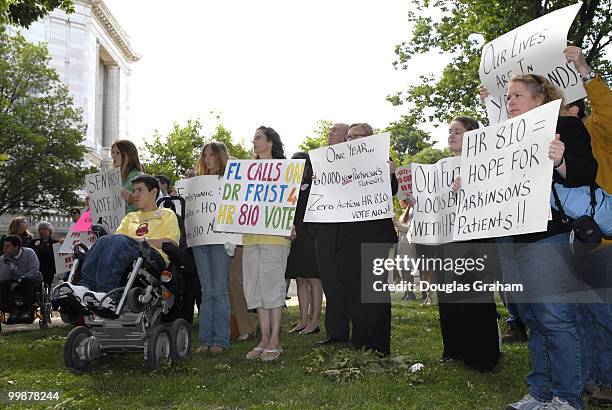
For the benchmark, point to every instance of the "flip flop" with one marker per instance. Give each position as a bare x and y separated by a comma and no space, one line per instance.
276,352
255,353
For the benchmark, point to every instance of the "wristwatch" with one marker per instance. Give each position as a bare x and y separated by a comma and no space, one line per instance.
588,77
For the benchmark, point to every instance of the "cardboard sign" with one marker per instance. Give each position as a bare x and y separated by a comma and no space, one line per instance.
259,196
72,238
106,204
202,195
534,48
506,176
352,181
63,263
404,180
435,202
84,223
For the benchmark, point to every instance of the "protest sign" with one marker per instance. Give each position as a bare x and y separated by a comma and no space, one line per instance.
259,196
404,180
63,262
72,238
202,195
84,223
435,202
534,48
106,204
506,176
352,181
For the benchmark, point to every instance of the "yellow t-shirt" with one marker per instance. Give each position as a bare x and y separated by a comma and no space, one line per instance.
158,224
257,239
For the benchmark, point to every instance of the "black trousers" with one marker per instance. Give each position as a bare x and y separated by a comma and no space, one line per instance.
334,284
26,290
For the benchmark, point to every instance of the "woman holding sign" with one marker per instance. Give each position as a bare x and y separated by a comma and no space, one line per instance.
213,267
541,261
264,262
125,156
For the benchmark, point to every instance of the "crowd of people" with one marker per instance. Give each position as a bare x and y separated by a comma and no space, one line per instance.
569,341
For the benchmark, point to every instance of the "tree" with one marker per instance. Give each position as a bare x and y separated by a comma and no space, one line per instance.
457,90
25,12
321,132
406,138
40,132
173,154
429,155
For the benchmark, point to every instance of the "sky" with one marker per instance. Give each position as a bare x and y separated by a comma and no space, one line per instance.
279,63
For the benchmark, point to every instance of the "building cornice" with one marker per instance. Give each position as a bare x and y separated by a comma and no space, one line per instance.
114,30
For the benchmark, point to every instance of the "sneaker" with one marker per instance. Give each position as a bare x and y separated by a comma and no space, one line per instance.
559,404
528,402
602,397
513,332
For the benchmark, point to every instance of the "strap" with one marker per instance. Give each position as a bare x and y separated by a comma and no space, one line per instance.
593,200
564,217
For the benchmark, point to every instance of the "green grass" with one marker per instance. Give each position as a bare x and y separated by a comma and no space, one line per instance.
34,361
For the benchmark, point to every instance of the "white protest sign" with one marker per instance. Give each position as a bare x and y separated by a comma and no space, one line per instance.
534,48
72,238
63,263
435,202
352,181
202,195
506,176
107,205
259,196
404,181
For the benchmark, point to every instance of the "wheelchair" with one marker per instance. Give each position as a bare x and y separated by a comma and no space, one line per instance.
41,308
146,317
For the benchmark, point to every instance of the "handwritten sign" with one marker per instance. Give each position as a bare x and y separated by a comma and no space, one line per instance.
106,204
63,263
84,223
202,195
534,48
435,202
86,238
352,181
259,196
404,180
506,176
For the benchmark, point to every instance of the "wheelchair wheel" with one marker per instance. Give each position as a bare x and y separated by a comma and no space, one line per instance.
45,309
73,359
180,334
158,347
133,303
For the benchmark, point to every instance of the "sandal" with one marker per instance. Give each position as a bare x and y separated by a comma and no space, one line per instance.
255,353
216,349
203,349
273,356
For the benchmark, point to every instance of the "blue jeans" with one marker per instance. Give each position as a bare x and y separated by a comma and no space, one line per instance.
213,270
548,308
110,257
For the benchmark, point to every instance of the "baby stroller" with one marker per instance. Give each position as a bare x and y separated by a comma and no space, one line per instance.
146,317
41,308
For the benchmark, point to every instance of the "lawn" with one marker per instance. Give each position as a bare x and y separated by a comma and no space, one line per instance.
304,376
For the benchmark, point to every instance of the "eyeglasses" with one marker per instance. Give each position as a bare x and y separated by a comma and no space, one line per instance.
74,213
355,136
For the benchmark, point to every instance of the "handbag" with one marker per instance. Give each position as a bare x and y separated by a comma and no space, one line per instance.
589,220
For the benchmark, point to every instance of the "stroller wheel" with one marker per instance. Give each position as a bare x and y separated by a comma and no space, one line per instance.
133,303
180,333
74,346
158,347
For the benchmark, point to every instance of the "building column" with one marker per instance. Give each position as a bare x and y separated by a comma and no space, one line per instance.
111,105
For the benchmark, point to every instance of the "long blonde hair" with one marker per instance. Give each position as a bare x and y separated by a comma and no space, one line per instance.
221,157
13,228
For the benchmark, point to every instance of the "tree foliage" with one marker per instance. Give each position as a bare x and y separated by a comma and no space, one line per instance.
406,137
41,156
429,155
457,90
319,139
25,12
173,154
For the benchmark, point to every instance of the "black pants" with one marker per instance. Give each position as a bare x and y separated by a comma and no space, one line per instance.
334,285
26,290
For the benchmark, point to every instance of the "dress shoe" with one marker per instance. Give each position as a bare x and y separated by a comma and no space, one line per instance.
330,341
312,332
